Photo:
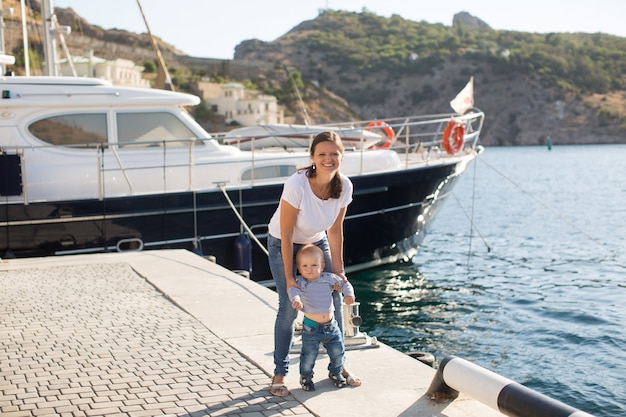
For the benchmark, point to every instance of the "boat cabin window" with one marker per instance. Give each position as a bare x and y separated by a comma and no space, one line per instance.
152,129
274,171
86,129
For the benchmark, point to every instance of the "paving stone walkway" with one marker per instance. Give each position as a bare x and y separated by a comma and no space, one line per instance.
94,340
167,332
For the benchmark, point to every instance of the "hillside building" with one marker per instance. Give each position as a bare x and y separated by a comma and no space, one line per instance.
122,72
236,104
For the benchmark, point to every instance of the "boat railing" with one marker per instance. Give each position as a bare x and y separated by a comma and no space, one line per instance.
423,135
418,140
409,133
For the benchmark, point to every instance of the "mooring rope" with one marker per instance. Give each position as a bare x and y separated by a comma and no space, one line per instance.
470,218
545,205
241,220
472,224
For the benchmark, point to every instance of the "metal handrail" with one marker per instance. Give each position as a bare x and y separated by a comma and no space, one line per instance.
415,133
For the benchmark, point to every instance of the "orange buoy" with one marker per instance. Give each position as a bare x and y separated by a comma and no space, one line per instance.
388,132
453,136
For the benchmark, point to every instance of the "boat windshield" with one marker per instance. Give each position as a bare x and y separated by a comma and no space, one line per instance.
152,129
88,129
134,129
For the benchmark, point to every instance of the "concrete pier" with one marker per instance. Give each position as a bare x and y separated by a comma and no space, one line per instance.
171,333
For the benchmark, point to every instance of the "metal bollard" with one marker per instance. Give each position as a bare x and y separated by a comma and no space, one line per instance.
510,398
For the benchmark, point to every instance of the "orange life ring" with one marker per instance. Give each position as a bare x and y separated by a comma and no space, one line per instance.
388,132
453,136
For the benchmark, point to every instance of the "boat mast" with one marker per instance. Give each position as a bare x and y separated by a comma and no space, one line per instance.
25,39
163,80
4,59
1,35
49,41
51,29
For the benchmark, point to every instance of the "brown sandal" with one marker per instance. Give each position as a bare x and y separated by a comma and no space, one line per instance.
279,389
352,380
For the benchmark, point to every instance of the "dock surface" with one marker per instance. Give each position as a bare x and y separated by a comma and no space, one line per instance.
168,332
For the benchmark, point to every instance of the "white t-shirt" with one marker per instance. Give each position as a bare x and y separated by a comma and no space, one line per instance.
315,215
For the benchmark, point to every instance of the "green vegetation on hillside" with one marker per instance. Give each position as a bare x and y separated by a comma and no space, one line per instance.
570,63
347,64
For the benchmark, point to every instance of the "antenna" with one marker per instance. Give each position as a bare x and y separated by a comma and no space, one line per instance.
163,80
295,86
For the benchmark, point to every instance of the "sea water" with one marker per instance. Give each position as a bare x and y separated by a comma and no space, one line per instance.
522,272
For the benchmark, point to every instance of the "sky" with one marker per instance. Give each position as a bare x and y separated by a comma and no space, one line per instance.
212,29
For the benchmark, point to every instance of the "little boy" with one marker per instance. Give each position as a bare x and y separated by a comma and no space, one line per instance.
314,298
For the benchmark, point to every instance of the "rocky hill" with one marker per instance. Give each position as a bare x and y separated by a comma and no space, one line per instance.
520,109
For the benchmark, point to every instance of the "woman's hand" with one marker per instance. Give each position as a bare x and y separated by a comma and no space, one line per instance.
291,282
342,274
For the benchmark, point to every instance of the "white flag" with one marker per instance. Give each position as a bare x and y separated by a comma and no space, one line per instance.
465,99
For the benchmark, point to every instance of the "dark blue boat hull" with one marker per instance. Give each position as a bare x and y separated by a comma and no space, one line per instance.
384,223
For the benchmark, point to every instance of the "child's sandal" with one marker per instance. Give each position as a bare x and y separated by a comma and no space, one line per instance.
338,380
307,383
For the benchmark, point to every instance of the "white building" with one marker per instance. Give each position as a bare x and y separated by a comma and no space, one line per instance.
122,72
236,104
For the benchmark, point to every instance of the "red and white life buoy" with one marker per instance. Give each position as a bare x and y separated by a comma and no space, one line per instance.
453,137
388,132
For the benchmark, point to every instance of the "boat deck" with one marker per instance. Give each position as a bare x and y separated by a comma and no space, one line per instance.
169,332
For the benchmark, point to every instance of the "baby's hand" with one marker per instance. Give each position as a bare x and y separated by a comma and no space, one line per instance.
296,304
348,300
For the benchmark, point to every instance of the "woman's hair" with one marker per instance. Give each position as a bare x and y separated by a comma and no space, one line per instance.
336,185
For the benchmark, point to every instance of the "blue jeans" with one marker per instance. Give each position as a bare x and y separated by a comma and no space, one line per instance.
330,337
286,315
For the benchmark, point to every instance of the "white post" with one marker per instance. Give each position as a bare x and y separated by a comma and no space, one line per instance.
49,41
25,39
2,65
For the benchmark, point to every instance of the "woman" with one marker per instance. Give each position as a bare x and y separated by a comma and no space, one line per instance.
311,210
